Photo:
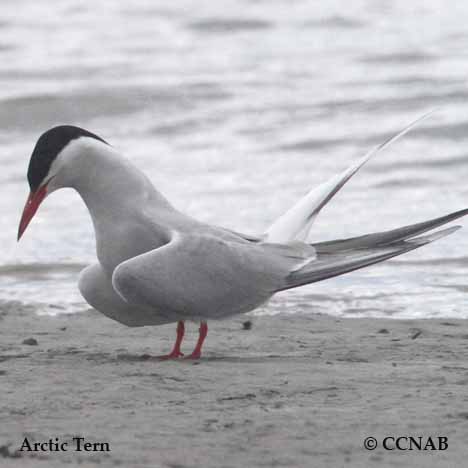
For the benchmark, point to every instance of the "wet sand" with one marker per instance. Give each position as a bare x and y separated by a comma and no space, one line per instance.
293,391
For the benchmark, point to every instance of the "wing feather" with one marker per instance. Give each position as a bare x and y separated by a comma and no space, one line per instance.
205,276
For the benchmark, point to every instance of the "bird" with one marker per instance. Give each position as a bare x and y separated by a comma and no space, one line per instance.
157,265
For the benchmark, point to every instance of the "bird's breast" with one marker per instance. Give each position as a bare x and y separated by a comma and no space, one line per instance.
120,242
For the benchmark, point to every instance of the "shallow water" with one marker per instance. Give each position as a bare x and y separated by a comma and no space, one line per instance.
235,109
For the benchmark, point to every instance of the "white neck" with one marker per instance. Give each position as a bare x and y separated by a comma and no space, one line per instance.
106,180
129,215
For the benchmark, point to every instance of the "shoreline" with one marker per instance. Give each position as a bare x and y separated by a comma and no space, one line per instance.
294,390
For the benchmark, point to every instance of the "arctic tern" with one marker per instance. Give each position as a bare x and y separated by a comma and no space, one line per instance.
157,265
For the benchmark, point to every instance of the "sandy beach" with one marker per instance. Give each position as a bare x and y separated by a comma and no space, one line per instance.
292,391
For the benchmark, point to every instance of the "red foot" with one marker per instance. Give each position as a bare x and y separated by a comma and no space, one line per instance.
194,355
176,353
171,355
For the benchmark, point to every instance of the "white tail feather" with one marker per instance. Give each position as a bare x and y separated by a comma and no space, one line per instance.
296,223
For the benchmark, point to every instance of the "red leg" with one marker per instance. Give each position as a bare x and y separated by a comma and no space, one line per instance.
176,353
196,353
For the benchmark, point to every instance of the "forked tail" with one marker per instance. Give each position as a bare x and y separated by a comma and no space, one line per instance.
342,256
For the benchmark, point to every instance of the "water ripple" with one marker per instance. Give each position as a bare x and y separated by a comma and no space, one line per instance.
228,25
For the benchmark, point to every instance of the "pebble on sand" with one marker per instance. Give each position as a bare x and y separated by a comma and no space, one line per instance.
247,325
30,342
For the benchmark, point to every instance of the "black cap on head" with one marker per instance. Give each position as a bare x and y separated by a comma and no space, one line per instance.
47,148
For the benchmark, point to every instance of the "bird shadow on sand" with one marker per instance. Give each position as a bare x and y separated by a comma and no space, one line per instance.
104,357
256,359
155,359
214,359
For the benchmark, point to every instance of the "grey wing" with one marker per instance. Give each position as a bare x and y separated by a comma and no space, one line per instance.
204,276
247,237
